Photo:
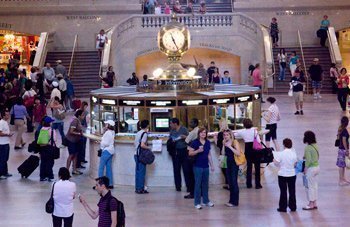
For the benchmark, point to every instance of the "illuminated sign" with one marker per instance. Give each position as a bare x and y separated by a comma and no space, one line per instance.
256,96
131,102
246,98
199,102
94,99
108,101
160,103
221,101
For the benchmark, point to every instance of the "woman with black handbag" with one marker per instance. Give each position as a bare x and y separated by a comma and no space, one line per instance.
46,134
343,136
107,147
248,134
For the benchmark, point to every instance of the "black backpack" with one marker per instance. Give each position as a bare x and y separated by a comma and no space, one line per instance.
120,212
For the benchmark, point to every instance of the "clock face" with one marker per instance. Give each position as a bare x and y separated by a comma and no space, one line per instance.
173,40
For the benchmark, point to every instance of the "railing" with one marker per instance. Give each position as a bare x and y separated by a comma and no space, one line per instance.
75,47
45,41
106,54
334,47
304,65
234,20
270,70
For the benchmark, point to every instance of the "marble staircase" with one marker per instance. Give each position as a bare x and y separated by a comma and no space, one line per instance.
322,53
85,71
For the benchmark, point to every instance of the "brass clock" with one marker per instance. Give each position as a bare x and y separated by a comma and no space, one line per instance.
174,39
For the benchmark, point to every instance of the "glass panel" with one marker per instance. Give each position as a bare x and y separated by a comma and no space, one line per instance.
186,114
216,113
128,119
243,110
95,116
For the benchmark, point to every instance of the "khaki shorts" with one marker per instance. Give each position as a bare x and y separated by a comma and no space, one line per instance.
298,96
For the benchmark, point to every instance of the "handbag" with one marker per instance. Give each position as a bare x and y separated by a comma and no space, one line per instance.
171,147
290,92
55,150
144,156
223,161
50,204
12,120
240,159
99,152
33,147
256,144
101,44
265,155
347,162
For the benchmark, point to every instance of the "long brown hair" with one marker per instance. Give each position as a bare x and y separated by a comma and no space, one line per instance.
344,121
201,130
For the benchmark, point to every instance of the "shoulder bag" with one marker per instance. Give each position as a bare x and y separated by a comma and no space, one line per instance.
50,204
337,141
145,156
239,159
54,148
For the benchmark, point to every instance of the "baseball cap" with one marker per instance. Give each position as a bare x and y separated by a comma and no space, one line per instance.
110,122
48,119
55,84
58,61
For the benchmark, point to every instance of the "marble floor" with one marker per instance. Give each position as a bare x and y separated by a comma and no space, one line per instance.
22,200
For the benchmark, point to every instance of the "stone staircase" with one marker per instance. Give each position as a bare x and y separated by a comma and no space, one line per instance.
310,53
85,72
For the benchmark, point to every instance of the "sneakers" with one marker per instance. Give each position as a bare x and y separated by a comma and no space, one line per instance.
210,204
301,112
296,113
3,177
198,206
229,204
189,196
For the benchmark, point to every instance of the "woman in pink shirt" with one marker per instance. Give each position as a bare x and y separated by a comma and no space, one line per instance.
167,8
257,78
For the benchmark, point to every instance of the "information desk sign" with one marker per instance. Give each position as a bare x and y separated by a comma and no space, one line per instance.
131,102
245,98
193,102
160,103
110,102
221,101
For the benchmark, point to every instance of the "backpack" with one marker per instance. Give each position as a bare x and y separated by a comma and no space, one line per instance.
145,156
120,212
43,138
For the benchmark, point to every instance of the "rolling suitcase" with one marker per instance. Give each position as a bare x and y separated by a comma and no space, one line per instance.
28,166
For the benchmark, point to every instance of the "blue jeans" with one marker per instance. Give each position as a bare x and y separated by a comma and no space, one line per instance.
59,126
140,173
4,157
106,161
282,72
201,185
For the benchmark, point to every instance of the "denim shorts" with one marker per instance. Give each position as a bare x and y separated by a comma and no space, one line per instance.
316,84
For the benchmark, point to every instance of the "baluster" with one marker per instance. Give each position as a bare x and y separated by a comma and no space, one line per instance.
147,22
143,22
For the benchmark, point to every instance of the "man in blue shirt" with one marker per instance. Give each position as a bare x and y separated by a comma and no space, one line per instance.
226,79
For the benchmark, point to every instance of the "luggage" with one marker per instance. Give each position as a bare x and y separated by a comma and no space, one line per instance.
76,103
28,166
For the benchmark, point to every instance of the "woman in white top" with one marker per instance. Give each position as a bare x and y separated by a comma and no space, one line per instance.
107,146
63,194
248,135
282,59
286,161
271,116
101,40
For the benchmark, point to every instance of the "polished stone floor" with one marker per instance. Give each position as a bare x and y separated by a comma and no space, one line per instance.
22,200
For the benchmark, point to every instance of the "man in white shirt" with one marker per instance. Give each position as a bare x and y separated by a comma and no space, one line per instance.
49,73
5,135
62,86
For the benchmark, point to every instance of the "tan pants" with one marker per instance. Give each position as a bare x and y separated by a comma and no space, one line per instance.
312,181
19,124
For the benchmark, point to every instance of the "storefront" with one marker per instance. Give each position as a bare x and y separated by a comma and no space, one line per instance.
11,41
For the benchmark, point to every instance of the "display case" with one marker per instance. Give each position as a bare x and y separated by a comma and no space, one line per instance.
127,107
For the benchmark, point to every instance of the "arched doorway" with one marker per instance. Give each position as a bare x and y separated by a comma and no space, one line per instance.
146,64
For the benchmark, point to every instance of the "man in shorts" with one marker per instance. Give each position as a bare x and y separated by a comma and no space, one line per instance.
297,83
315,72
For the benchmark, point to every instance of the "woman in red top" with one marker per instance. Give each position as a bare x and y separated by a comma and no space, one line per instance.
343,89
39,111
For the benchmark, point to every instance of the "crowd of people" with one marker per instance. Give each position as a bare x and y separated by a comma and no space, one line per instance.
155,7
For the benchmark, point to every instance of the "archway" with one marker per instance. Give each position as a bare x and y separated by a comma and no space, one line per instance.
146,64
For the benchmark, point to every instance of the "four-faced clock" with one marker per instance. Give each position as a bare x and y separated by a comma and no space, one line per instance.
173,40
